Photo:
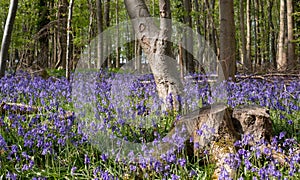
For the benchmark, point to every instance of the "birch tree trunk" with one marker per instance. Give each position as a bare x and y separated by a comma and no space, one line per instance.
7,35
290,27
69,30
227,40
281,59
155,41
117,36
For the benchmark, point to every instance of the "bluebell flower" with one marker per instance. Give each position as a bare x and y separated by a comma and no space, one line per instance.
86,159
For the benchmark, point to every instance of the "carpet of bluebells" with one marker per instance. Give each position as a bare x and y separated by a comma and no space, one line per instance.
51,143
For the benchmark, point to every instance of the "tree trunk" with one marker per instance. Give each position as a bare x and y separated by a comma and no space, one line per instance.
107,39
281,59
188,57
90,34
272,53
263,35
43,36
117,36
290,27
227,40
157,46
210,6
62,33
257,34
99,36
7,35
138,56
243,38
69,47
248,64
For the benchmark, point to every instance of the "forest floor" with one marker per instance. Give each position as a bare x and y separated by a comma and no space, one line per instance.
49,127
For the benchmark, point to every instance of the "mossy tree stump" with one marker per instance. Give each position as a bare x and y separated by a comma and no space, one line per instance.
217,127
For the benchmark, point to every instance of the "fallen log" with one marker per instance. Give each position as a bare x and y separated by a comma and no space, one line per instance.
18,108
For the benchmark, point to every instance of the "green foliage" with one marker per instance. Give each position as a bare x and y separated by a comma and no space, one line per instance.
56,72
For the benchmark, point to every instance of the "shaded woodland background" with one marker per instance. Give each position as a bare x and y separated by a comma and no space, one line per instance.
267,35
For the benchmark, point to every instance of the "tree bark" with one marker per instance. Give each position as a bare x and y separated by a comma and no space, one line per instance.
62,33
188,57
243,38
157,46
272,53
69,30
99,36
138,56
43,36
290,28
227,40
248,64
117,36
7,35
90,33
281,59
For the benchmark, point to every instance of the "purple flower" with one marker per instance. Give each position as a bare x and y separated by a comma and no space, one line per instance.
281,135
73,169
86,159
2,143
199,132
132,168
224,174
192,173
14,149
104,157
175,177
181,162
11,176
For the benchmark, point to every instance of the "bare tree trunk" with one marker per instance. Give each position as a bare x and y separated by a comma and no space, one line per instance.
201,45
227,40
106,13
69,30
61,33
90,33
243,38
7,35
210,6
272,52
117,36
263,35
43,36
248,64
180,57
100,36
157,46
107,39
290,27
138,56
281,59
188,58
256,34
